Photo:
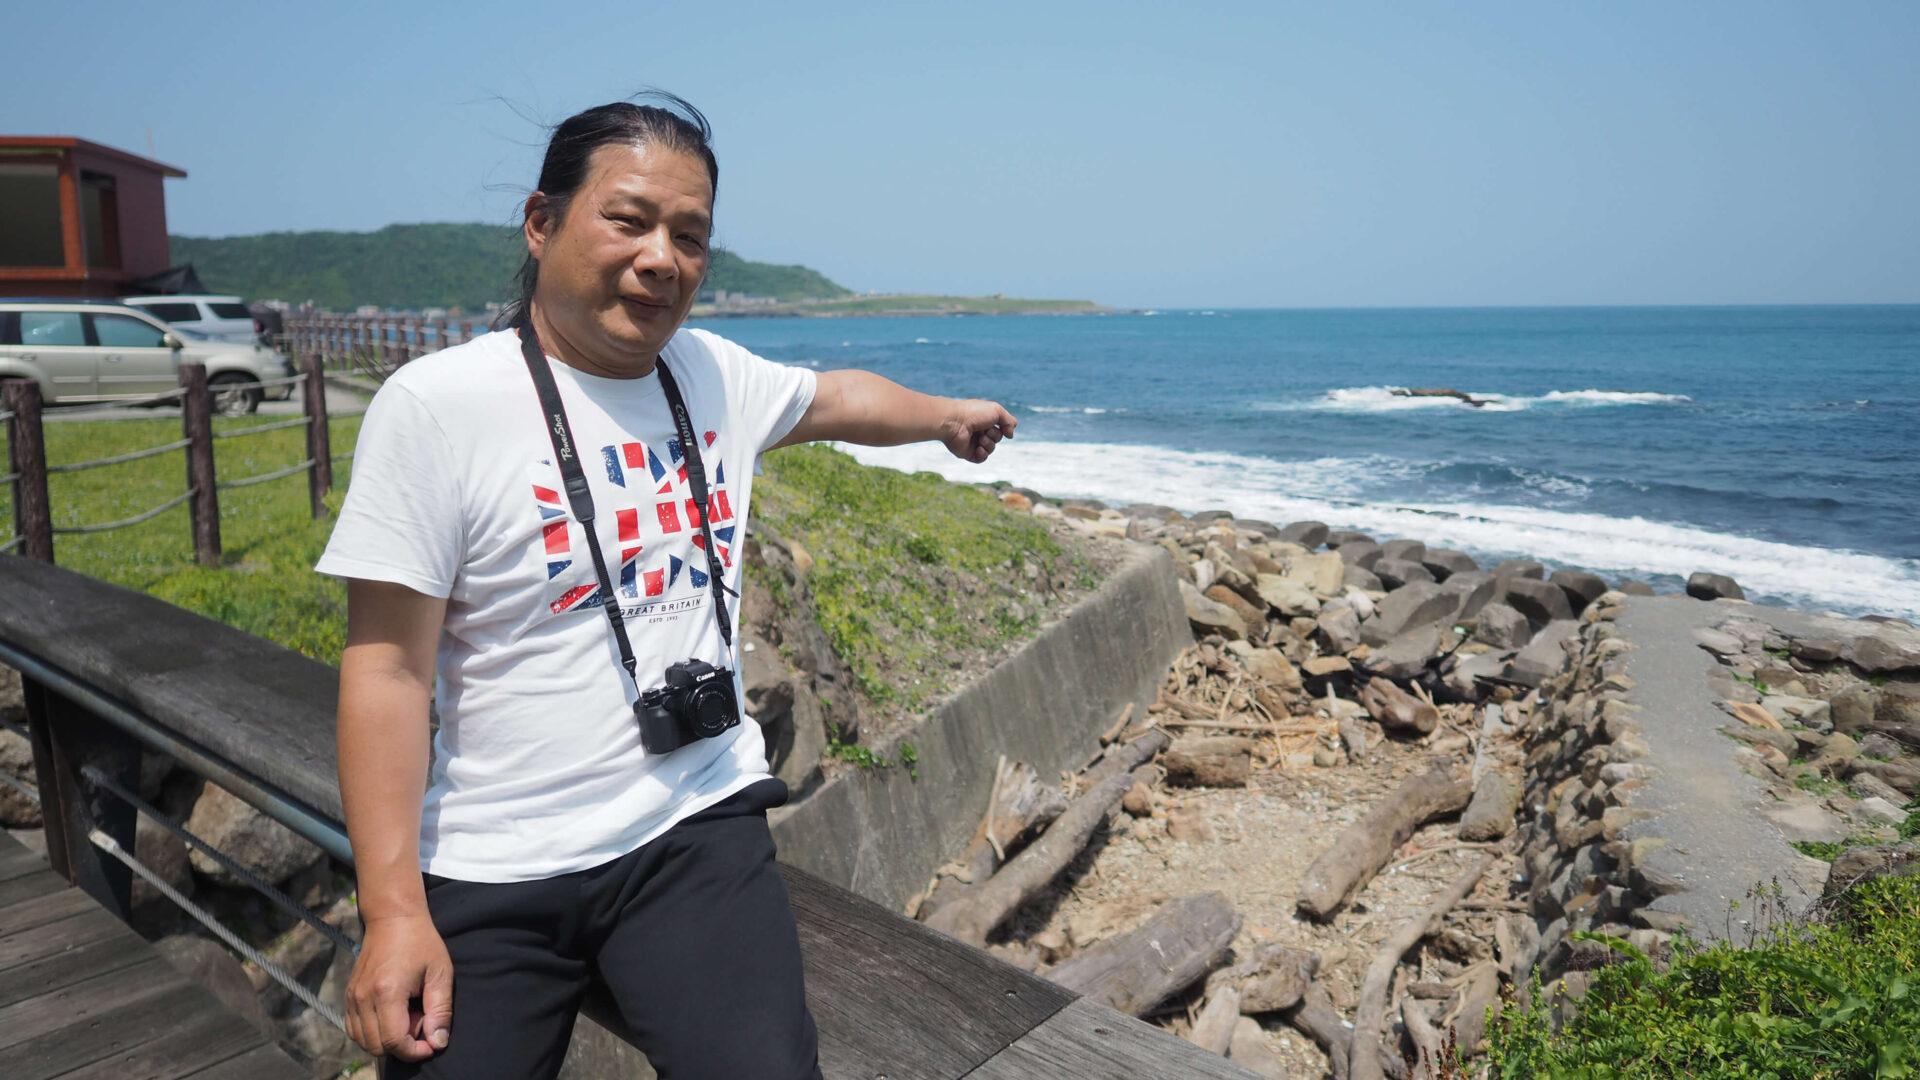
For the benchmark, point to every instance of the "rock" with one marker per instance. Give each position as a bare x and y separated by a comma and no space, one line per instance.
1360,553
1356,578
1189,825
1884,654
1404,550
1271,665
1581,587
1308,534
1539,601
1203,572
1394,573
1467,673
1875,745
1816,650
1265,529
1083,513
1408,654
1806,821
1320,666
1408,606
204,962
1251,617
1490,816
1718,642
1016,501
1209,616
17,811
1339,537
1338,628
1206,517
1443,563
1323,573
1502,627
1249,1050
1705,586
1288,596
1725,688
1152,512
166,855
1859,864
1209,761
1868,786
1636,588
249,837
1903,776
1898,704
1852,709
1543,658
1519,568
1472,591
1876,808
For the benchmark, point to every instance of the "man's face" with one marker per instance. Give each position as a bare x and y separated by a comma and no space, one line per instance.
619,273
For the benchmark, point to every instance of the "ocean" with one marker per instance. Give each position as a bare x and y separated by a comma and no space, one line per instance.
1780,445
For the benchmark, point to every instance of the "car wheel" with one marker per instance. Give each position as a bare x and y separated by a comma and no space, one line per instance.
234,394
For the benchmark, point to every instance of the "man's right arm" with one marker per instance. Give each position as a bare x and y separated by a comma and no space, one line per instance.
386,680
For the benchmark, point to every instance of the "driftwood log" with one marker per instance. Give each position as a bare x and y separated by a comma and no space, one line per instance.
1359,852
1209,761
1316,1018
1137,970
1363,1058
1272,980
974,915
1213,1028
1428,1043
1395,708
1482,991
1022,803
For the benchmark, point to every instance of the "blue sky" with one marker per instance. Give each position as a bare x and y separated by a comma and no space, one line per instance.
1275,154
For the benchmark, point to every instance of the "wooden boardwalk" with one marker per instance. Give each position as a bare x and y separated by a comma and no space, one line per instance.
82,996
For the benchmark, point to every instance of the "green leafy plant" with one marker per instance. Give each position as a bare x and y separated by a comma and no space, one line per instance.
910,758
852,752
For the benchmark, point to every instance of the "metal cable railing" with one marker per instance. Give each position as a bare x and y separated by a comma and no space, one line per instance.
134,520
131,455
258,428
264,477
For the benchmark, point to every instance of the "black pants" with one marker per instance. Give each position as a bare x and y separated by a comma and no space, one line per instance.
693,933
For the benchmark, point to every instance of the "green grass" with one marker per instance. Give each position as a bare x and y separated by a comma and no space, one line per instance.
908,568
269,543
1831,1001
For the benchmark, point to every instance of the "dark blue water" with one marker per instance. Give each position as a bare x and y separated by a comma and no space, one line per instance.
1776,444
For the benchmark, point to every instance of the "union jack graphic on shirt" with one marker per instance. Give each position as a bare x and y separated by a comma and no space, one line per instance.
657,531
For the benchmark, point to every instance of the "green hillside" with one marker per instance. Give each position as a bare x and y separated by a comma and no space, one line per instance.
422,266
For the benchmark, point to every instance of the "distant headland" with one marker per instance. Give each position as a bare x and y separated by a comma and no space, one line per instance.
470,266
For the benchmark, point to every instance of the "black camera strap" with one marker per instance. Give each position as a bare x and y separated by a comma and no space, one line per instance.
580,498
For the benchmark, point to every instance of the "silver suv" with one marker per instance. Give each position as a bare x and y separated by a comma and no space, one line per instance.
86,351
221,318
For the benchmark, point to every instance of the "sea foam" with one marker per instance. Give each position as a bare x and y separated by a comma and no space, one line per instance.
1328,489
1370,399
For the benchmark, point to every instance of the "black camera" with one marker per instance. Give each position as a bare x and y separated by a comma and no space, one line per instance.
696,703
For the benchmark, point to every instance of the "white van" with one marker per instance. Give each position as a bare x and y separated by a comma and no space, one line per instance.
220,318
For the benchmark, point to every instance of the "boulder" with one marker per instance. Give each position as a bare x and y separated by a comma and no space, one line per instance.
1272,666
1718,642
1360,553
247,836
1885,653
1151,512
1209,616
1443,563
1404,608
1817,650
17,811
1543,658
1899,704
1851,710
1346,536
1502,627
1539,601
1581,587
1251,617
1394,573
1473,590
1355,577
1520,568
1337,628
1636,588
1705,586
166,855
1860,864
1323,573
1288,596
1208,517
1875,745
1308,534
1408,654
1410,550
1265,529
1467,671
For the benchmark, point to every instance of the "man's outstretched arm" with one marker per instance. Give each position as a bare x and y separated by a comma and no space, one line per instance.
861,407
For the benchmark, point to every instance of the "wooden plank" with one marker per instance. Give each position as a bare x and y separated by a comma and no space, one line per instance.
45,909
264,1063
49,939
30,887
164,1047
893,998
17,860
81,1003
136,1013
64,966
1088,1041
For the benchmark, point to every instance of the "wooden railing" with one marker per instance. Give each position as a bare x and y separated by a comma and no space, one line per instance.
373,345
111,674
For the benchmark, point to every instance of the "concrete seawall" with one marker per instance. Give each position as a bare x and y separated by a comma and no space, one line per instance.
882,833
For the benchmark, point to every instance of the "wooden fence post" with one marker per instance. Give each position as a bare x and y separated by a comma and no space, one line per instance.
27,458
66,736
319,444
196,422
440,338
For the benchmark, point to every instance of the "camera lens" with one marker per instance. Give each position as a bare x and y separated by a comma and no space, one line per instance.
711,710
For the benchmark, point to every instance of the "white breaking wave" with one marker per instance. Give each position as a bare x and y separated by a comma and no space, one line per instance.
1363,399
1090,411
1326,490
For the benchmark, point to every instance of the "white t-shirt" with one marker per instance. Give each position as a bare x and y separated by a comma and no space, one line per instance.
538,768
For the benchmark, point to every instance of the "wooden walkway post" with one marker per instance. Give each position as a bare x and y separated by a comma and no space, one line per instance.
196,423
27,459
65,737
319,444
